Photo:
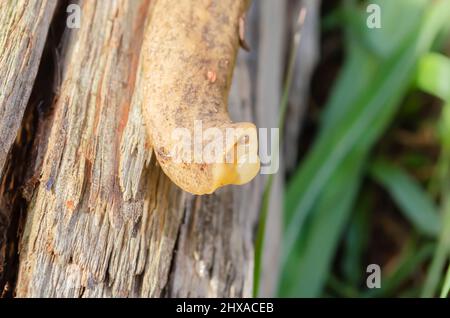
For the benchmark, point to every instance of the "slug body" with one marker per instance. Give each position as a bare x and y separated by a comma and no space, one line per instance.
186,67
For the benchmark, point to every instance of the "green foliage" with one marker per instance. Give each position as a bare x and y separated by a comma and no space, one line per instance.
412,200
433,76
365,99
356,240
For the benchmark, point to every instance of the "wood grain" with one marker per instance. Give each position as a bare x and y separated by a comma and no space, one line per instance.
104,221
24,25
23,31
102,218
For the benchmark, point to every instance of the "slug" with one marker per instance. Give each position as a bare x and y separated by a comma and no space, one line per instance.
188,56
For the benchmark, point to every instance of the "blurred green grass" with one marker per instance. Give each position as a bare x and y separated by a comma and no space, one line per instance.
326,202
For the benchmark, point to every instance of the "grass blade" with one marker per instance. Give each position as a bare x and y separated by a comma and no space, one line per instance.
412,200
440,257
410,263
446,288
356,241
433,75
311,259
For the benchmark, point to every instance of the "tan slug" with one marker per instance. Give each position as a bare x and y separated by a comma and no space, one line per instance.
187,60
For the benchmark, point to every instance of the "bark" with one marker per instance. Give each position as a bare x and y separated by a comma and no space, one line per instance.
104,220
23,31
93,212
24,25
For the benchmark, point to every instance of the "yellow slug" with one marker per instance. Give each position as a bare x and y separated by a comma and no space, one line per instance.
187,60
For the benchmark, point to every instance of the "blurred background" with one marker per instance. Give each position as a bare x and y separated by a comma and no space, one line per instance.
365,112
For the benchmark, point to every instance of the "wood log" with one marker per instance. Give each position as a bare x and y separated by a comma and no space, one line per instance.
24,25
81,191
104,221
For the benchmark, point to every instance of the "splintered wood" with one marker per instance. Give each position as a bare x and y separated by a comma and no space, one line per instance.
23,31
103,220
24,25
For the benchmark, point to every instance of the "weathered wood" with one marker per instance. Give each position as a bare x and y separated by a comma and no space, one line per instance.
104,221
24,26
23,31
